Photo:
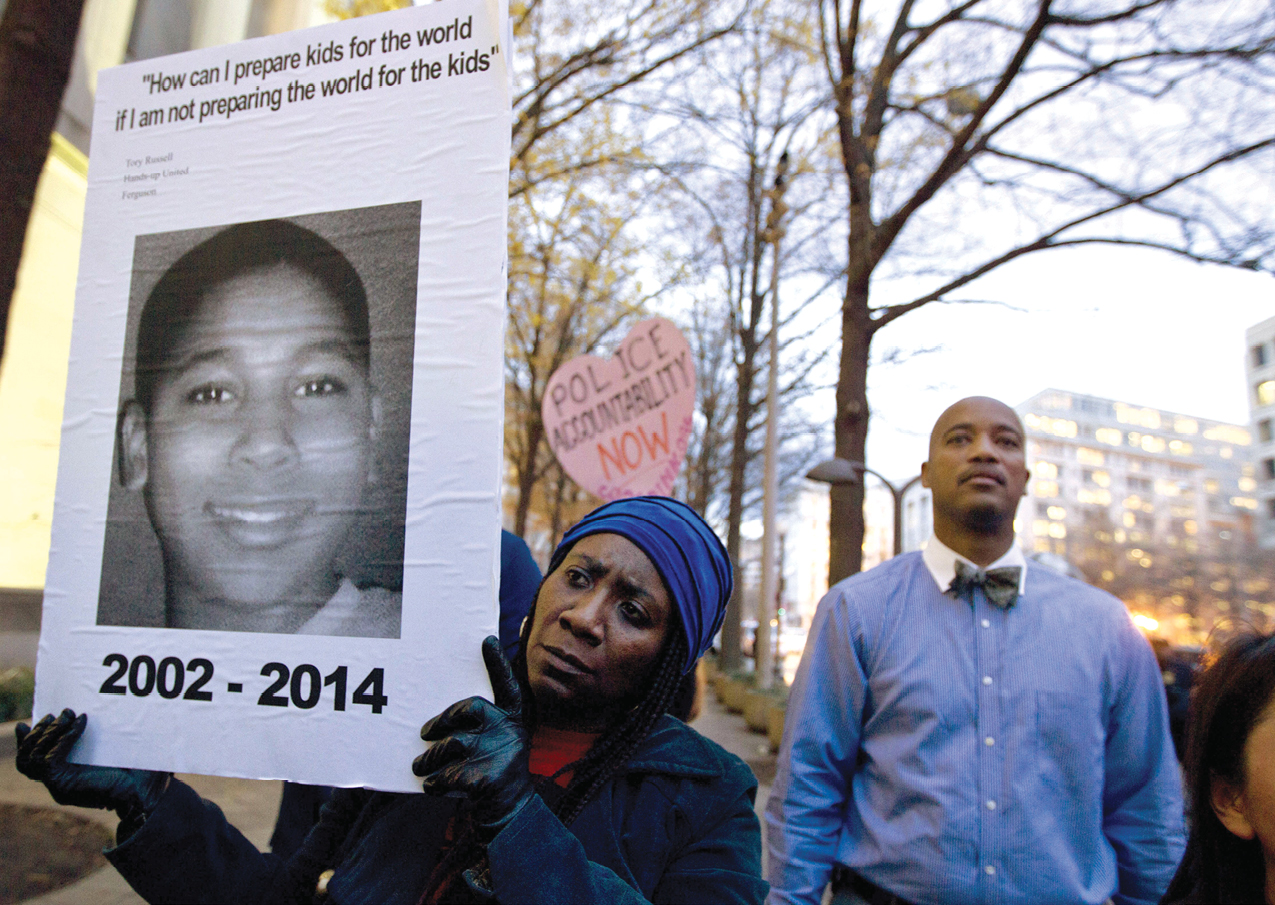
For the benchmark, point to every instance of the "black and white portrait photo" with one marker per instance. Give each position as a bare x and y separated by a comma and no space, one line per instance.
260,466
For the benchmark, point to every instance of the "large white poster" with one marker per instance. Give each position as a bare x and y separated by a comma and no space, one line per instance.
276,533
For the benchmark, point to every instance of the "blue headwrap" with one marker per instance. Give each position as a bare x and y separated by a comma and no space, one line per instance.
685,551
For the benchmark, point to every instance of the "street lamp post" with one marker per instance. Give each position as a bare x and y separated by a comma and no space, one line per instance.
766,605
843,471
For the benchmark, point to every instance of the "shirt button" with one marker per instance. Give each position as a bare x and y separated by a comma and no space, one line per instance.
989,741
991,805
987,680
987,623
990,871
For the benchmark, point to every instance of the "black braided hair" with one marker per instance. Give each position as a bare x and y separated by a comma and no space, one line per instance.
613,749
603,760
589,774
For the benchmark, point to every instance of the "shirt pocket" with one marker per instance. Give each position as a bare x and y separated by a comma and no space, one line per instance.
1069,750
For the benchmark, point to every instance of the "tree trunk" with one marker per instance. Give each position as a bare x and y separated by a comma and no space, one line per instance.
556,529
732,656
850,435
37,41
850,429
527,473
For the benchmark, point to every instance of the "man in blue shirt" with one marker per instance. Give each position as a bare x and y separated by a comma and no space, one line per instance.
965,729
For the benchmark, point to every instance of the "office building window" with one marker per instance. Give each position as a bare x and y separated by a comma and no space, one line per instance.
1266,392
1264,430
1270,508
1259,355
1268,469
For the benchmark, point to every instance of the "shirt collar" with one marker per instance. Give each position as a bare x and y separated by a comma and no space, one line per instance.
941,559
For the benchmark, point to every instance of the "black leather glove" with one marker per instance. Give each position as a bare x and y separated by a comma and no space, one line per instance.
480,750
42,753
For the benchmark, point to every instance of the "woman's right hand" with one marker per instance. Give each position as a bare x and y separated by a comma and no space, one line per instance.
42,755
481,749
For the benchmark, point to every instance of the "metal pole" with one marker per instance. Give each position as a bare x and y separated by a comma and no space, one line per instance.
898,514
898,521
763,648
898,494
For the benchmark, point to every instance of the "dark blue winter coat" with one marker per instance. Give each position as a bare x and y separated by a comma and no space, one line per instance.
675,825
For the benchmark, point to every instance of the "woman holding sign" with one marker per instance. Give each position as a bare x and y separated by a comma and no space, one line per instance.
572,786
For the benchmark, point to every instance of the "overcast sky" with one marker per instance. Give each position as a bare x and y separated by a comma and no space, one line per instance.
1139,326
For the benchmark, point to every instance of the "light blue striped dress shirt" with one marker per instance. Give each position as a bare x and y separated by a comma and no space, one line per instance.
956,753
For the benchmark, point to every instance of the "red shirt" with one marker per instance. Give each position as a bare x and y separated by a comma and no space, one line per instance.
553,749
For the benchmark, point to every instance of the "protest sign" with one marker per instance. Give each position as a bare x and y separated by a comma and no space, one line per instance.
620,427
276,531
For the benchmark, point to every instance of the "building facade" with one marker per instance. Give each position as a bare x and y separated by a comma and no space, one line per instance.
1158,507
1260,368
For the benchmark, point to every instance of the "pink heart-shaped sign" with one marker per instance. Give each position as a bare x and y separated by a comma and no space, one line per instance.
620,427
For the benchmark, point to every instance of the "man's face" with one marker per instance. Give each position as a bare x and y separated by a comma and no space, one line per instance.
256,450
977,470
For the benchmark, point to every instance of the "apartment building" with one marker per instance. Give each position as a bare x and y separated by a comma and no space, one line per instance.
1260,369
1158,507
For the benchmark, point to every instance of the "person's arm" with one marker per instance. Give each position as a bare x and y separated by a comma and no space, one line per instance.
188,852
807,806
1142,793
537,860
173,845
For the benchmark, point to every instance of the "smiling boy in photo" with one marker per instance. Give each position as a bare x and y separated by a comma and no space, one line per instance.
251,434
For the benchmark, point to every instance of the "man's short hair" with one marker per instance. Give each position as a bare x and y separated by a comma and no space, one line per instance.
245,247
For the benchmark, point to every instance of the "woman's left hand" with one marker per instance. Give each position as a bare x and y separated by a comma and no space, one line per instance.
481,749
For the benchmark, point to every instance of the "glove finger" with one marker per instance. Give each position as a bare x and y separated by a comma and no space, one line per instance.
450,780
504,686
463,716
44,737
62,750
37,731
28,736
453,749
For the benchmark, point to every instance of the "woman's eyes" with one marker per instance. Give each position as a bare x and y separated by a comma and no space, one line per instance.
321,386
210,394
630,610
634,613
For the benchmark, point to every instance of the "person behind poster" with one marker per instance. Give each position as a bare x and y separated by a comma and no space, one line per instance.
250,434
571,785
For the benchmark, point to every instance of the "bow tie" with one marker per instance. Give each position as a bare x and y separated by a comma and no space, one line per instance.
1000,585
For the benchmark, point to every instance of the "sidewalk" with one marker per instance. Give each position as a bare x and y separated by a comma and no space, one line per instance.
251,804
